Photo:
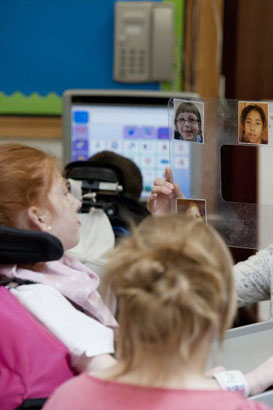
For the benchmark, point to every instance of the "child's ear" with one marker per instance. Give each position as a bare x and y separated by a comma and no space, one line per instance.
38,218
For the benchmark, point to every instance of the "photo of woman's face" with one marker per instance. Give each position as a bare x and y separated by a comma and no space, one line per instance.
253,127
187,125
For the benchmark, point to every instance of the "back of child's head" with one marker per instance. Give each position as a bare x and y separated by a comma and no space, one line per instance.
26,176
173,281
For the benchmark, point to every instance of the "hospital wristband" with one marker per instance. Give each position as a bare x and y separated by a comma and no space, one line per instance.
232,380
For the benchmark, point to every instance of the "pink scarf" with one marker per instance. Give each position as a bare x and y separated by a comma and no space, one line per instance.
73,280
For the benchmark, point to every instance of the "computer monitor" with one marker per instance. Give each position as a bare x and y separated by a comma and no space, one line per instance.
130,123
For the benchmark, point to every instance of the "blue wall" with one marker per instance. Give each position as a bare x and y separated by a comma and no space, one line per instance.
53,45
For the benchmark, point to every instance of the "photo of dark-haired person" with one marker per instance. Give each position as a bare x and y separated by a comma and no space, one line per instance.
252,122
188,121
195,208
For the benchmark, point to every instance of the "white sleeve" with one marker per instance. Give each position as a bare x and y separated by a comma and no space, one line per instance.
79,332
253,277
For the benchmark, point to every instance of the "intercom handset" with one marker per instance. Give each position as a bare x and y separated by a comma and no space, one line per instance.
144,37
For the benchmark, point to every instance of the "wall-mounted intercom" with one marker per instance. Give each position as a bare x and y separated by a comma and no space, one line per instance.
144,41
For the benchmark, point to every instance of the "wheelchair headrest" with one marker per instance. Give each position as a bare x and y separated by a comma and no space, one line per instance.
18,246
96,176
102,186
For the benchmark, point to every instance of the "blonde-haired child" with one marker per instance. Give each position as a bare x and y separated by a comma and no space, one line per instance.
173,281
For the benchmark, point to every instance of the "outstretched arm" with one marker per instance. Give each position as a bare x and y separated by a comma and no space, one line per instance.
256,381
253,277
260,378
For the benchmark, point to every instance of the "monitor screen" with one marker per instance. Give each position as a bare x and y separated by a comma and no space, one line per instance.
132,124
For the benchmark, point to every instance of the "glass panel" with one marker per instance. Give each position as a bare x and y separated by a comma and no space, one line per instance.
235,178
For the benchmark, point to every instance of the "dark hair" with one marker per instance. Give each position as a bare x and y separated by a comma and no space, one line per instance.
253,107
189,107
131,172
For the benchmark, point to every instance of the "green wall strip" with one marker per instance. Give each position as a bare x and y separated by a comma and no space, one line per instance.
177,83
19,104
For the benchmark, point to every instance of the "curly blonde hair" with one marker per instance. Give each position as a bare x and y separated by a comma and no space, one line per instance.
173,281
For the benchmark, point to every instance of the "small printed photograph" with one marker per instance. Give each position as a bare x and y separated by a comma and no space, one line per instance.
253,122
195,208
189,121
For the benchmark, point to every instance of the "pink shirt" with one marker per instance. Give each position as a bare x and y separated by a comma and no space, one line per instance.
32,361
86,392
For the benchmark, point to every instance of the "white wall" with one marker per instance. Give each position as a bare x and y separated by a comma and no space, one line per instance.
54,146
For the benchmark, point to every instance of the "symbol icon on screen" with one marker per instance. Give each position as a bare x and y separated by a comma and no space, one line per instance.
80,145
147,161
80,131
81,116
131,132
163,133
181,163
148,132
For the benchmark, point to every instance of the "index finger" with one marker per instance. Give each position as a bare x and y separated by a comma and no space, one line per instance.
168,175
